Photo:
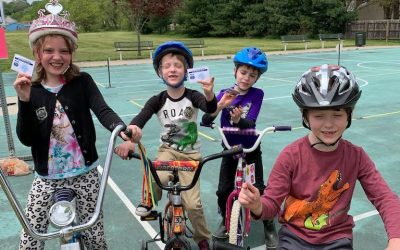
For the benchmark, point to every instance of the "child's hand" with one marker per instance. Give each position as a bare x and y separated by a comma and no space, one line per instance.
124,148
136,134
393,244
22,86
249,197
236,113
226,100
208,86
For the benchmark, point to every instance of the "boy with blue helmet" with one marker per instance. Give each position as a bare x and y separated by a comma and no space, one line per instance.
239,106
177,48
177,109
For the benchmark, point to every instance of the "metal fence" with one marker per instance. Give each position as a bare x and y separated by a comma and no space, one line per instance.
375,29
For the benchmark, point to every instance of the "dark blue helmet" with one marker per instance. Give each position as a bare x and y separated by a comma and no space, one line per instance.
253,57
172,47
327,87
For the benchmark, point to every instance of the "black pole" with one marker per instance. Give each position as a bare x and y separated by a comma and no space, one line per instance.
108,69
339,54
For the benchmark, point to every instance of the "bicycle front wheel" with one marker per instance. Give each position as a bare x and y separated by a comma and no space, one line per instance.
177,242
237,224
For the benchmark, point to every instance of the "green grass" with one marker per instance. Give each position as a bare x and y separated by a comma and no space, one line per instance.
99,46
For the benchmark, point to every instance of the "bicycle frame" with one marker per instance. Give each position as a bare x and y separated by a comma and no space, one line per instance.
174,189
68,231
240,175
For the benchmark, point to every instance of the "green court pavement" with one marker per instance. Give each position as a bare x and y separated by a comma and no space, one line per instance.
375,128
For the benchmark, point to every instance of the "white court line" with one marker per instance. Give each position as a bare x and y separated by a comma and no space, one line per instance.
288,96
102,85
147,227
128,115
275,98
365,215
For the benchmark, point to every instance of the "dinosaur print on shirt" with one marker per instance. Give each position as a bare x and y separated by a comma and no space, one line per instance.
315,214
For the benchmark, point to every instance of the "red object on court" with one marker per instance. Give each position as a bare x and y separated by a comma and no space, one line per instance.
3,45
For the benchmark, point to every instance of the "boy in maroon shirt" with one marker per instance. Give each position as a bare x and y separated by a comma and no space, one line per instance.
315,176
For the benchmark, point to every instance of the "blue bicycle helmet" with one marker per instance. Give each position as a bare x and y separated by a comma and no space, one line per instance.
172,47
253,57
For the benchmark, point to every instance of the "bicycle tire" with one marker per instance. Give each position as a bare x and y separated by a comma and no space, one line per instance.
237,224
177,242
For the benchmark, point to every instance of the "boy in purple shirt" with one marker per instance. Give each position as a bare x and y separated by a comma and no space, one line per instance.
315,176
239,107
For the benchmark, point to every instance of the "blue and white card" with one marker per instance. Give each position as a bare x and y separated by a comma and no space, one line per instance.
22,64
196,74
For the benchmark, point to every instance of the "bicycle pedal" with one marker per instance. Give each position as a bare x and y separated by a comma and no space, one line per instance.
152,216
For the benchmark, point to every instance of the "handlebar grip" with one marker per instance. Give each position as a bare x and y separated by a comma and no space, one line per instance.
233,151
209,125
128,132
221,245
132,154
283,128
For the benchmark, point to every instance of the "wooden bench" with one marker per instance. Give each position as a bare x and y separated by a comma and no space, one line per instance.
331,37
295,39
133,46
195,43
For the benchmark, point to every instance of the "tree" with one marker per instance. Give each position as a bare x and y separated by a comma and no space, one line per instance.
330,16
223,18
85,14
195,17
390,8
138,12
308,16
16,9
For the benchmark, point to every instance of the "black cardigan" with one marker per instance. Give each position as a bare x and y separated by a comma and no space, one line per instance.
78,97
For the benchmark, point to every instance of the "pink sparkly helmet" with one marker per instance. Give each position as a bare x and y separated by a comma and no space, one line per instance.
56,22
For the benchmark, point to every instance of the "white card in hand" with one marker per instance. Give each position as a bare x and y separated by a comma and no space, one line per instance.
196,74
22,64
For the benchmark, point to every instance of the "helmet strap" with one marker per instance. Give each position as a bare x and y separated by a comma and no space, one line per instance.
326,144
174,86
180,83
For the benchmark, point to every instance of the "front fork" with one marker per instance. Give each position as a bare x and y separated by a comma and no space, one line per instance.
234,196
176,211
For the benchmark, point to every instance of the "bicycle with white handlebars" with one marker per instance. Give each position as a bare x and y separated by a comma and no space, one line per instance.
62,214
237,218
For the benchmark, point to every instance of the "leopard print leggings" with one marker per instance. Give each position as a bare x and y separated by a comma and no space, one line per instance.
86,187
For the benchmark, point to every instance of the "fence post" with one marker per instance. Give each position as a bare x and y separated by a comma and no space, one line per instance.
387,30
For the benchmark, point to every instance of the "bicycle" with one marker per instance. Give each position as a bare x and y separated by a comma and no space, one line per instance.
62,213
237,218
173,222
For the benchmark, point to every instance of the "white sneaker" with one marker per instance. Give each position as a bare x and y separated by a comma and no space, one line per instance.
143,210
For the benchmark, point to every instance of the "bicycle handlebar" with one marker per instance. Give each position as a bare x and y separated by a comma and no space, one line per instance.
231,151
234,130
68,230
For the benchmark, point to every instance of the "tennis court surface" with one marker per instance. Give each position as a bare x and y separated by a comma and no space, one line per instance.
375,127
